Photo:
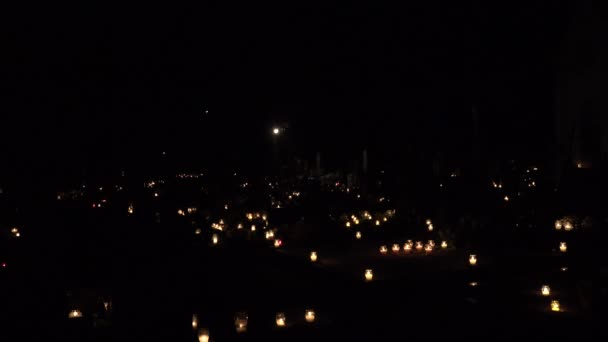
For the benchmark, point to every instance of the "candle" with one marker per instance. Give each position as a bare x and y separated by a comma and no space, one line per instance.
563,247
568,226
280,319
430,227
395,248
277,243
545,290
309,316
75,314
358,235
555,306
473,259
347,224
444,244
428,248
215,239
313,256
240,322
407,247
419,245
558,224
203,335
383,249
369,275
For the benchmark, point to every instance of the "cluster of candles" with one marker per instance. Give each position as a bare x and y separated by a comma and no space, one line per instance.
429,225
241,321
15,232
409,245
567,225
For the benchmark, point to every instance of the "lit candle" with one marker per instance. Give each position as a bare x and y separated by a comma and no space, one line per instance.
347,224
215,239
203,335
563,247
198,231
428,222
430,227
395,248
313,256
75,314
432,243
568,226
369,275
358,235
269,235
278,243
280,319
194,322
444,244
377,222
407,247
309,316
555,306
240,322
558,224
473,259
253,228
383,249
428,248
545,290
419,245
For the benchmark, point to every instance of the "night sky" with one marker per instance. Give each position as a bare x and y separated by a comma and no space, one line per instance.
87,86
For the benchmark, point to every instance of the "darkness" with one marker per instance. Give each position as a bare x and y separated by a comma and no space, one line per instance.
89,86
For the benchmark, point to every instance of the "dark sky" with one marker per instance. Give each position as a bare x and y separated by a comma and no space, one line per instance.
89,85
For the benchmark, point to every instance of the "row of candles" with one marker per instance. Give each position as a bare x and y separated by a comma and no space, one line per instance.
241,321
409,246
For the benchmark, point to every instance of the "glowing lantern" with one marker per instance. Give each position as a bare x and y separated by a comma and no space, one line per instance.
240,322
473,259
358,235
444,244
215,239
280,319
75,314
568,226
194,322
347,224
395,248
430,227
555,306
369,275
558,224
313,256
277,243
203,335
383,249
309,316
545,290
419,246
563,247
